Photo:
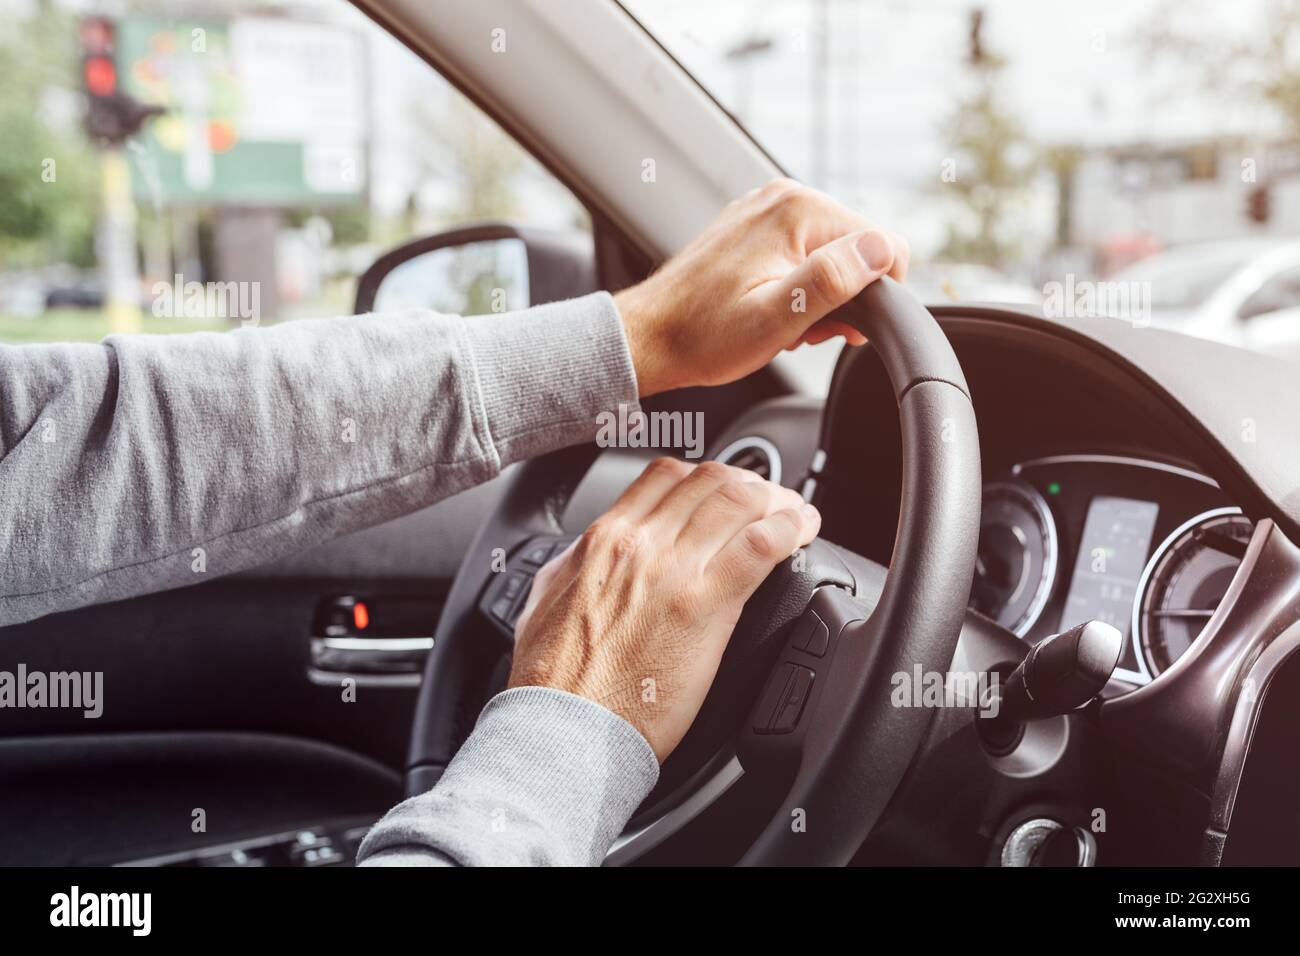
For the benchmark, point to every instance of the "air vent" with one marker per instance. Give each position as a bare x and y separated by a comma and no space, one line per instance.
754,454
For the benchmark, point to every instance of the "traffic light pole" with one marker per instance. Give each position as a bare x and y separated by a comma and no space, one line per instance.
117,244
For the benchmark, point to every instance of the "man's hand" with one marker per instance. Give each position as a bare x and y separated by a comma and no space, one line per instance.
636,614
762,278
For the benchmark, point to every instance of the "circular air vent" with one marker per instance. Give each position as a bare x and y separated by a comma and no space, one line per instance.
755,454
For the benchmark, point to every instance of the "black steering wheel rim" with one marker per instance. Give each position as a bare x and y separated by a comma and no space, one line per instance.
854,747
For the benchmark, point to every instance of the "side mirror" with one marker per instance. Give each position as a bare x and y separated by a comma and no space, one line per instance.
480,269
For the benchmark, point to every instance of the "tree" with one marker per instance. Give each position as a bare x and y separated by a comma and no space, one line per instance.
478,162
1263,68
48,173
987,177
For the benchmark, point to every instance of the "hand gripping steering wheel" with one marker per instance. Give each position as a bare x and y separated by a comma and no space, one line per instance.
802,700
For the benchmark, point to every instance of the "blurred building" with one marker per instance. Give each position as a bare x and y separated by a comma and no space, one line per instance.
1122,202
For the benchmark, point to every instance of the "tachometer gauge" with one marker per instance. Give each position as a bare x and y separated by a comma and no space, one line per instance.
1016,563
1183,583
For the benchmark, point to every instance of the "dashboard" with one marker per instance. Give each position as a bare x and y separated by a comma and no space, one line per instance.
1145,546
1098,503
1122,482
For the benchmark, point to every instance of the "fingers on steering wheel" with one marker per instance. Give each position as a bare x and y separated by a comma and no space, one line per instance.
751,554
733,504
677,507
656,480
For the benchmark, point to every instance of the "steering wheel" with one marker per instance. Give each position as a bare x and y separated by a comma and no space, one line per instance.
801,706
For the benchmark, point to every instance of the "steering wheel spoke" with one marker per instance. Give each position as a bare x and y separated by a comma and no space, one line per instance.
772,737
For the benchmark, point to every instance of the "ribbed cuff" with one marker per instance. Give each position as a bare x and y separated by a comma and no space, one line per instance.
545,374
546,778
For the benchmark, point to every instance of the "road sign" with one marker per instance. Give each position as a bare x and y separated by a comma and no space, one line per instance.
261,111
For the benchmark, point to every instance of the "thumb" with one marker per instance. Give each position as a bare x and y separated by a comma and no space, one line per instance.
833,275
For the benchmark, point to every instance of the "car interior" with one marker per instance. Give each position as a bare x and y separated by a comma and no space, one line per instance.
989,478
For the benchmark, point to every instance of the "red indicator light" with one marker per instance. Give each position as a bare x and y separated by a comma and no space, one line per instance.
101,76
360,616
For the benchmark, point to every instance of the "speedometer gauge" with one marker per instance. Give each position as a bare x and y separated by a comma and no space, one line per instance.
1184,582
1016,563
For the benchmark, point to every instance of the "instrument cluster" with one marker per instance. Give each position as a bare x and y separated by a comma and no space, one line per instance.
1148,547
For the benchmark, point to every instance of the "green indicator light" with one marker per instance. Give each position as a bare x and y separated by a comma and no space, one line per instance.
1054,488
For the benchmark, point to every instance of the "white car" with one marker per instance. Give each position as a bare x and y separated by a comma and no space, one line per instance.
1243,292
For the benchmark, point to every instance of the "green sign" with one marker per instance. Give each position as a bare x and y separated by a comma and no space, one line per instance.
261,111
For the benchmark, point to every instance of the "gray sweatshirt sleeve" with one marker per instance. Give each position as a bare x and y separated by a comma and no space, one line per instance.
546,779
148,462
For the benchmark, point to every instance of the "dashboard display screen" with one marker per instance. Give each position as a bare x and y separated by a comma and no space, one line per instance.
1113,551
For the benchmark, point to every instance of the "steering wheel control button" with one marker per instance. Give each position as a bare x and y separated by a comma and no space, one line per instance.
501,608
518,610
516,583
784,699
787,718
811,635
511,595
540,553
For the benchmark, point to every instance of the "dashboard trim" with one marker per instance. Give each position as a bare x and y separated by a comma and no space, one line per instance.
1168,370
1182,717
767,447
1096,459
1241,729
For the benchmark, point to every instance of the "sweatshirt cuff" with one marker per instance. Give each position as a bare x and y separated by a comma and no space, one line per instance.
545,374
546,778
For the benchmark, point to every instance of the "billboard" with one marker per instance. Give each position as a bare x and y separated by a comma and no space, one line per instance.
261,111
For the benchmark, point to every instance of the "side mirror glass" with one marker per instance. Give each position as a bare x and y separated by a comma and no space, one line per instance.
479,270
477,278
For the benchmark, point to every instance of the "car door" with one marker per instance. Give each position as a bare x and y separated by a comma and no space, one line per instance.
290,151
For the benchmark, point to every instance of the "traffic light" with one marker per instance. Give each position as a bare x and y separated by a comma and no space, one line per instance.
112,116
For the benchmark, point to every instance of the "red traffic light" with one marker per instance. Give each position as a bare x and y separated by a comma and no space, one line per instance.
101,76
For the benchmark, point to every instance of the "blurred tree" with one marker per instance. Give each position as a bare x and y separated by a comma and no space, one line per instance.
1262,68
48,172
987,177
473,162
349,225
1062,161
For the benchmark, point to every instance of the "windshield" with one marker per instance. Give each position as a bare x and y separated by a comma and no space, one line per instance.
1019,144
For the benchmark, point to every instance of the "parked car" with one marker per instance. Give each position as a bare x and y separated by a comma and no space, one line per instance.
1243,292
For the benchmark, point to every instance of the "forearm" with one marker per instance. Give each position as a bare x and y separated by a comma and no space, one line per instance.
149,462
546,778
